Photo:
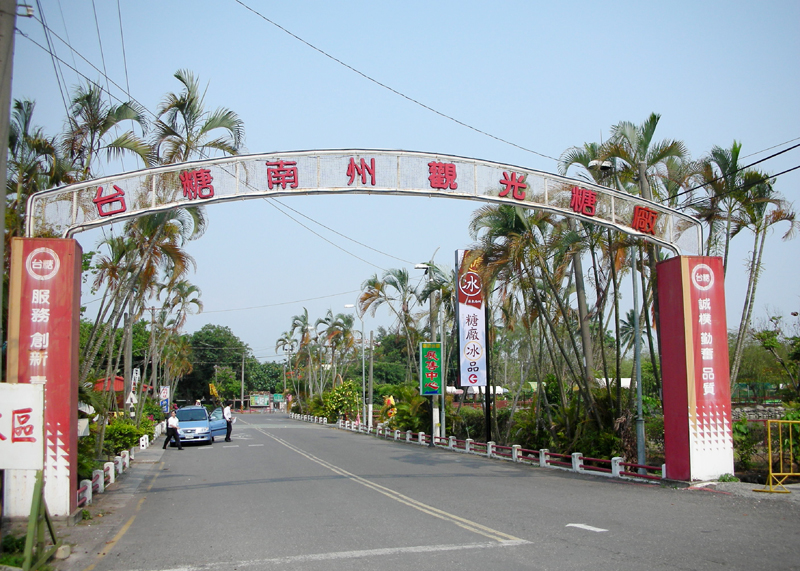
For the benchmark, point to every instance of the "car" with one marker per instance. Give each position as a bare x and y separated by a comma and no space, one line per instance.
218,425
194,425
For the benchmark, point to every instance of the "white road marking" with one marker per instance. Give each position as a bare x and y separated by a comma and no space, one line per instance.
231,446
360,554
255,445
586,527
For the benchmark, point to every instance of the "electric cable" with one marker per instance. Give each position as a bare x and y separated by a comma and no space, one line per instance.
391,89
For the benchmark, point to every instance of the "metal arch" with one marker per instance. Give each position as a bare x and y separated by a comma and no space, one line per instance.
74,208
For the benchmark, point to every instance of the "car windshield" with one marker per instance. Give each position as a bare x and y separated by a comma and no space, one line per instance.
192,414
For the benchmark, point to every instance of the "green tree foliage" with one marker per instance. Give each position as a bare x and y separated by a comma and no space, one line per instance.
342,400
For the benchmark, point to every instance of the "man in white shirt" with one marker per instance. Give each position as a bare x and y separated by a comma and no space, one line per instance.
226,414
172,431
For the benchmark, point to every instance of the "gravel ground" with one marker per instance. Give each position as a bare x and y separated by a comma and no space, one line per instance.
747,490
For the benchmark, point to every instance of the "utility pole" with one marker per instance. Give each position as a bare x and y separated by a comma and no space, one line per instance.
369,397
8,22
242,393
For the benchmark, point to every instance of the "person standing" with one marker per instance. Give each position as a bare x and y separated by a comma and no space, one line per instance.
172,431
226,414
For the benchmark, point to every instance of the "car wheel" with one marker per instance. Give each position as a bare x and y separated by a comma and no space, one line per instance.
212,440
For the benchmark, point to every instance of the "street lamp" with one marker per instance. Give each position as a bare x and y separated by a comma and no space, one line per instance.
435,412
363,372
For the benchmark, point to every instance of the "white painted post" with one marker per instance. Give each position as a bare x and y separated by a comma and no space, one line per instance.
144,442
577,462
515,448
325,420
408,436
468,445
616,468
126,459
88,493
489,449
451,443
102,487
543,457
118,465
663,471
112,472
421,438
397,434
131,455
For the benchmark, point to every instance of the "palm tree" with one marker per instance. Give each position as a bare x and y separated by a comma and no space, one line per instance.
761,209
393,289
184,127
89,127
183,297
722,178
630,144
34,164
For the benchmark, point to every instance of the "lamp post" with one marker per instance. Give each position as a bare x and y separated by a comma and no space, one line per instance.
363,367
607,167
434,402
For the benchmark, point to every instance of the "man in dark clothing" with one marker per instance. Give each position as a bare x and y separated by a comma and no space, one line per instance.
172,431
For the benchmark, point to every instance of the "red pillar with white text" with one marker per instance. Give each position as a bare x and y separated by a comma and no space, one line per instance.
43,328
698,442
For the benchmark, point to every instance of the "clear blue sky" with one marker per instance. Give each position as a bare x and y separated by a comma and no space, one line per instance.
543,75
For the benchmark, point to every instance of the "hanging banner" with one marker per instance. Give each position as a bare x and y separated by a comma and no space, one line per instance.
471,318
43,319
430,359
698,439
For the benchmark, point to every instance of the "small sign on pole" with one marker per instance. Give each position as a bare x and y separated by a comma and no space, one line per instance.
430,355
163,396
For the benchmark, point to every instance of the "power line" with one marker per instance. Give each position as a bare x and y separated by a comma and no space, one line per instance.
391,89
744,187
724,175
206,156
772,147
346,237
284,302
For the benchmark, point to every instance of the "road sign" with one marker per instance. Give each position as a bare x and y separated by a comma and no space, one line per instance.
165,405
131,399
164,392
136,375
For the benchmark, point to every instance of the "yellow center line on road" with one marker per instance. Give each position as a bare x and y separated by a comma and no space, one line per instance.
398,497
110,545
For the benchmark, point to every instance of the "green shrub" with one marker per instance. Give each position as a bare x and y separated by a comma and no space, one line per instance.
121,435
86,454
747,436
13,549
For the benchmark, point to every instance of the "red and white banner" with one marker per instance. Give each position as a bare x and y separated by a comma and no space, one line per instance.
43,321
471,317
694,342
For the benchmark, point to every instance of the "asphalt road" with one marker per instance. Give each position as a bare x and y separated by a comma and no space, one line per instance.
292,495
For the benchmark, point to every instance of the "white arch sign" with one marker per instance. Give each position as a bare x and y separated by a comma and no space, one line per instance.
74,208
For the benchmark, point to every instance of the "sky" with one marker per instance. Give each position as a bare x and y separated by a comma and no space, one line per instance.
517,82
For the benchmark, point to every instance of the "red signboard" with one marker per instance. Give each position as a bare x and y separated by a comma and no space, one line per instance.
694,341
44,302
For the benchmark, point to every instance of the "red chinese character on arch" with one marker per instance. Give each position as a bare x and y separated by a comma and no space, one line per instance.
361,170
21,429
583,201
644,220
514,185
281,173
197,184
103,201
442,175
